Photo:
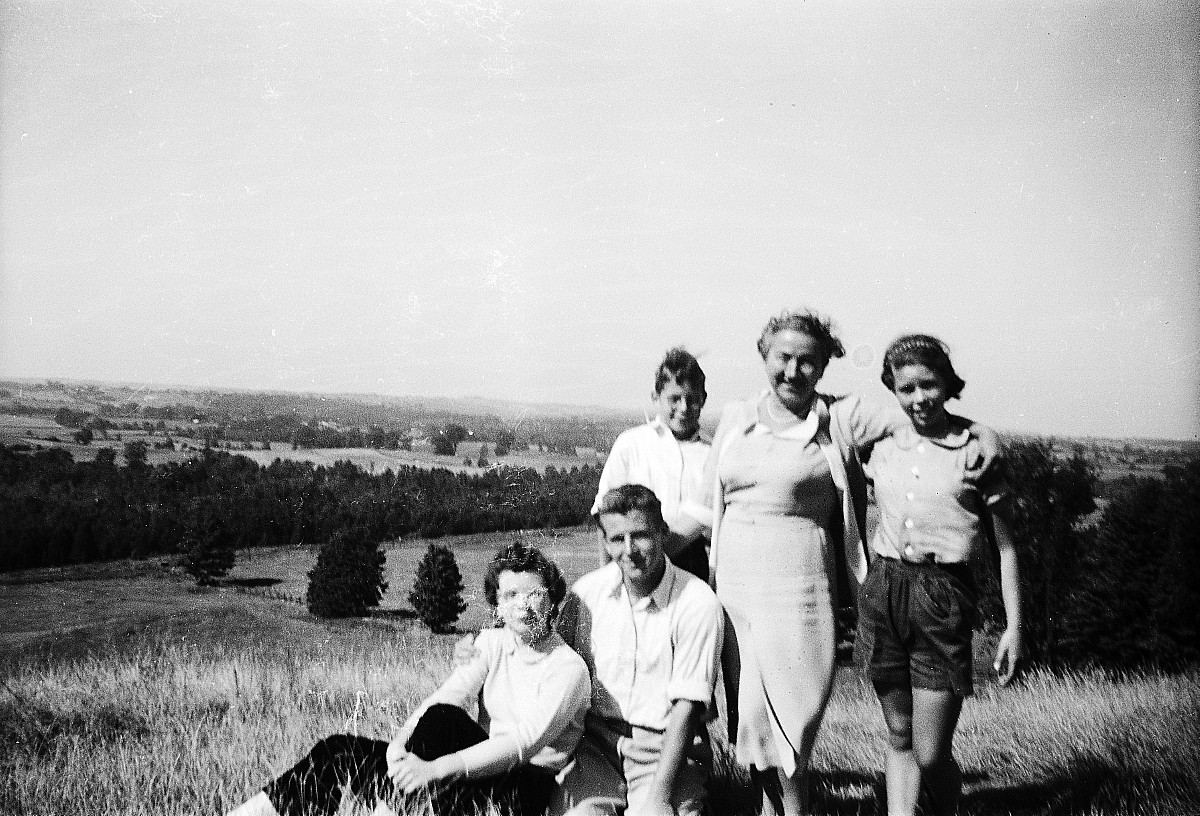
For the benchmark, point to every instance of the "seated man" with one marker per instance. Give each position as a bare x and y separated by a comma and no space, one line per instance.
650,634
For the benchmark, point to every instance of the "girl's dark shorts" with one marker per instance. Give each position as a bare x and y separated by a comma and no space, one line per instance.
915,623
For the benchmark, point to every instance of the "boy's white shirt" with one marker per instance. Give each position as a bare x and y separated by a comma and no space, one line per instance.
650,455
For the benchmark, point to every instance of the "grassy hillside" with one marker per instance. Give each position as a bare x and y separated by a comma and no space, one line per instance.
190,724
126,692
66,610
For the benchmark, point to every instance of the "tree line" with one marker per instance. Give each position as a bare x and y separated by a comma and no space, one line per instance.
1119,588
56,511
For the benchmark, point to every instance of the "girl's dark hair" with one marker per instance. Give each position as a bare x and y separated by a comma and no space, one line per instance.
921,349
679,366
806,322
519,557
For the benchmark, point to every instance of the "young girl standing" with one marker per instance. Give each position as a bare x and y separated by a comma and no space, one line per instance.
918,603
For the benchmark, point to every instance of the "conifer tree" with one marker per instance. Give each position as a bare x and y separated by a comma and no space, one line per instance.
347,580
437,591
83,544
208,548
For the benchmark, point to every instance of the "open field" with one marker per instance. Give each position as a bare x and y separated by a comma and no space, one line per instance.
46,605
376,461
44,432
128,692
193,723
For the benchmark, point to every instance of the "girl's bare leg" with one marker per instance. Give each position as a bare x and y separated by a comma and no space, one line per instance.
901,771
935,716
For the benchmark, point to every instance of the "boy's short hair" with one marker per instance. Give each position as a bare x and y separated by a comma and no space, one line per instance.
679,366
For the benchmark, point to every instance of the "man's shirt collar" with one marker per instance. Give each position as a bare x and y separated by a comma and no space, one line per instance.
661,594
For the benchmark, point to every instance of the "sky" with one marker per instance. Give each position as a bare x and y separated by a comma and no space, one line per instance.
533,201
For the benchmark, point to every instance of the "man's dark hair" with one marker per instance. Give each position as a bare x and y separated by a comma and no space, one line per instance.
627,498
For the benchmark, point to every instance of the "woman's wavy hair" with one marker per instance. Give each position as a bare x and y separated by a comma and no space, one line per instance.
921,349
805,321
520,557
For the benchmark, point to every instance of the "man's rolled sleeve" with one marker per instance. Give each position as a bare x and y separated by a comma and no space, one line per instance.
698,630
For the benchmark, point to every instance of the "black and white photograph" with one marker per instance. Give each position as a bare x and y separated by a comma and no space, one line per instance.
527,408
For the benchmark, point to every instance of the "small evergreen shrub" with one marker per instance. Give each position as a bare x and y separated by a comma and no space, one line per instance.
348,577
437,591
208,548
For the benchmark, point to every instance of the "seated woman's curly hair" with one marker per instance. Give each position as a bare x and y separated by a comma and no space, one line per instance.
807,322
519,557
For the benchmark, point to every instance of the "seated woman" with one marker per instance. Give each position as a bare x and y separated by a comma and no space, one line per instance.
535,693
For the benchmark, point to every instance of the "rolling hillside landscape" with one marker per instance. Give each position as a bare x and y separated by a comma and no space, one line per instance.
134,682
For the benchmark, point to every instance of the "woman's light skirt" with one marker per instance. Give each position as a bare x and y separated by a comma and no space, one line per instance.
773,580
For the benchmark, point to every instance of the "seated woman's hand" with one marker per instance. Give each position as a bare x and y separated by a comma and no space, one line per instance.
395,753
411,773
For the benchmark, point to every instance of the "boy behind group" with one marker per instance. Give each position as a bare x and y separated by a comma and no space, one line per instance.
667,455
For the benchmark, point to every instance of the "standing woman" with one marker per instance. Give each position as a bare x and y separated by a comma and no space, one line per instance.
787,494
535,693
918,603
667,455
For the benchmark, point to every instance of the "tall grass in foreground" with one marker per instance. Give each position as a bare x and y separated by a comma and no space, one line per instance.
168,729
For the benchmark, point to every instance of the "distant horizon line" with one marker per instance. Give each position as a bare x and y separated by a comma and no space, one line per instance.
136,385
612,410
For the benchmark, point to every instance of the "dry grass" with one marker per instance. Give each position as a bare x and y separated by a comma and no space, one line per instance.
1083,743
164,727
151,698
184,729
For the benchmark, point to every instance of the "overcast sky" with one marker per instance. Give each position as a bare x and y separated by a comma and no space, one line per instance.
533,201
